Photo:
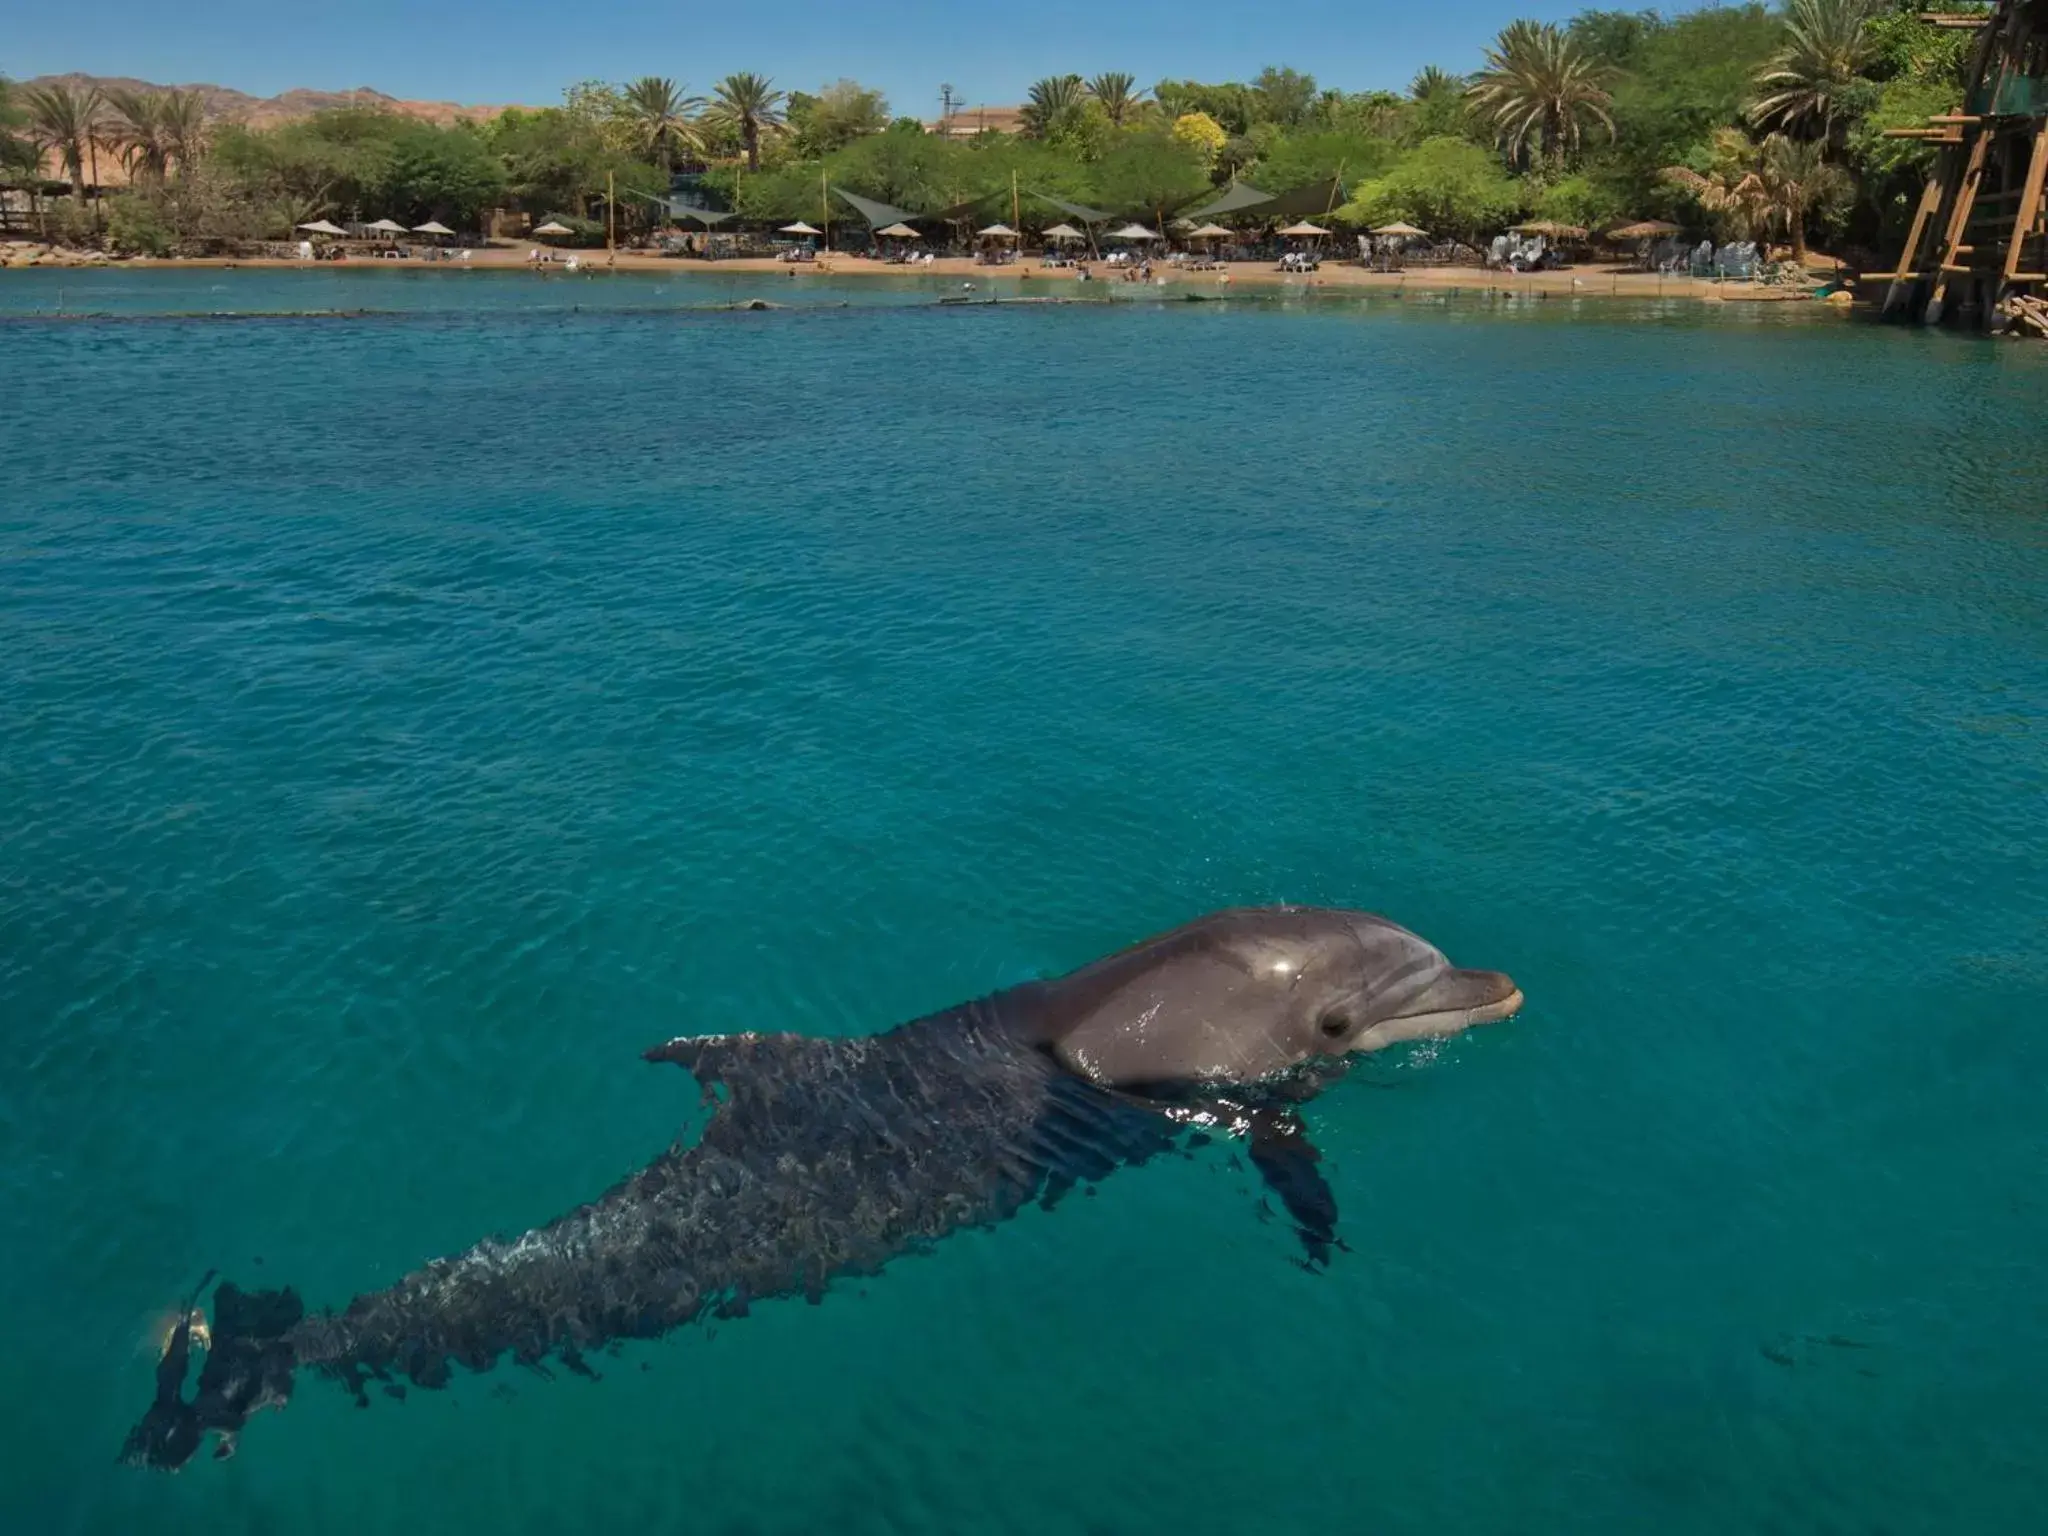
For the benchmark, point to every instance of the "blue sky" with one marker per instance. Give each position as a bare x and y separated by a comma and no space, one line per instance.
527,50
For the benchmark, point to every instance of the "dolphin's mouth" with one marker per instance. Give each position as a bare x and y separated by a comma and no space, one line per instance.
1455,1001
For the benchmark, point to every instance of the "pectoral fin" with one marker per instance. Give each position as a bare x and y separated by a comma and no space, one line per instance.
1286,1160
1280,1149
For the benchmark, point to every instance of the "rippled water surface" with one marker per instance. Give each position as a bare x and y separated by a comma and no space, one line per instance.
404,721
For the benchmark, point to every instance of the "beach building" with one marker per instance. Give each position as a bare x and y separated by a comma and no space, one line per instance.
972,122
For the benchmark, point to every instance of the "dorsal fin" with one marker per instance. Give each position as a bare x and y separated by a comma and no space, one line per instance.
753,1062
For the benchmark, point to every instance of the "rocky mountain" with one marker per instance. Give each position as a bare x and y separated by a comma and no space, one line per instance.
224,104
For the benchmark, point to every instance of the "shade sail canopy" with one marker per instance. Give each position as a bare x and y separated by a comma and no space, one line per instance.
1555,231
682,212
1064,232
1237,197
1304,229
1315,200
799,228
1134,232
900,232
432,227
322,227
1079,211
552,228
877,214
998,232
389,227
1643,229
1400,231
1211,232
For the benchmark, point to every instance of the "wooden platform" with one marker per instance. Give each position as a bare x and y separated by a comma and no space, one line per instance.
1979,238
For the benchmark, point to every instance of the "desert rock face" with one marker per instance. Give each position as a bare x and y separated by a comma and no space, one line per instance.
226,105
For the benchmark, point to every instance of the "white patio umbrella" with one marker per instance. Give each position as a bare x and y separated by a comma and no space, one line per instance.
322,227
388,227
1211,232
900,232
1134,232
553,228
1400,231
799,228
1064,232
1304,229
998,232
432,227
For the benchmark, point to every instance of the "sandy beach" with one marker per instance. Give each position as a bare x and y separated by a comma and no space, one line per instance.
1027,276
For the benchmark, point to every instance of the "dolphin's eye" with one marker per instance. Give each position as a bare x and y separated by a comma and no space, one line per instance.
1334,1025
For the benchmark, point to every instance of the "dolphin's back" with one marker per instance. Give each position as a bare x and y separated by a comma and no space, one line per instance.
822,1158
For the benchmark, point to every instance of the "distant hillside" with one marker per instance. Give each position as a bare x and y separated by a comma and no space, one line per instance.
224,104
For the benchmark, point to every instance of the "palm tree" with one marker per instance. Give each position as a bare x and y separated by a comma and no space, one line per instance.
1794,177
1118,94
752,105
1754,189
67,119
664,118
1049,98
1431,82
1729,191
184,127
137,133
1541,90
1826,48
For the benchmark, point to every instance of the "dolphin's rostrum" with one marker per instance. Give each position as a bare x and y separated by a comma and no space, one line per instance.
828,1157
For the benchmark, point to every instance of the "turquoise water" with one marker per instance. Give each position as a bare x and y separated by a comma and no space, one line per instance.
403,722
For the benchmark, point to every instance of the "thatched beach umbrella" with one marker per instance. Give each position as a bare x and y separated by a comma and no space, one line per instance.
1211,232
1552,230
553,228
1134,232
997,232
1643,229
1064,232
1399,231
388,227
799,228
322,227
1304,230
900,232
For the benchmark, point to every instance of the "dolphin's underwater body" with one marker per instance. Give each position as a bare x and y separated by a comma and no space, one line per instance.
828,1157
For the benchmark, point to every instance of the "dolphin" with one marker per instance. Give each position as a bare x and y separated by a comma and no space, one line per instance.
826,1158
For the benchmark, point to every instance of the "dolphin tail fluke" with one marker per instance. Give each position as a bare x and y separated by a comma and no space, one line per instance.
249,1362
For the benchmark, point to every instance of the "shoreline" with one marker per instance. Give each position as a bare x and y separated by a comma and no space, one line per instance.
1582,282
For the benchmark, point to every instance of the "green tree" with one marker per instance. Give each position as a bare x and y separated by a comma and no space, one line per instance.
1541,91
1613,38
750,105
1301,159
1230,104
1283,96
448,174
1450,187
665,119
1814,83
1149,174
1118,95
1579,201
844,111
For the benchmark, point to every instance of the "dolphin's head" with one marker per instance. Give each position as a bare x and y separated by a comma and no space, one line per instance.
1245,994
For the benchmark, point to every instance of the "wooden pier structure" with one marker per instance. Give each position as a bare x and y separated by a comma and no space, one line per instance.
1977,252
